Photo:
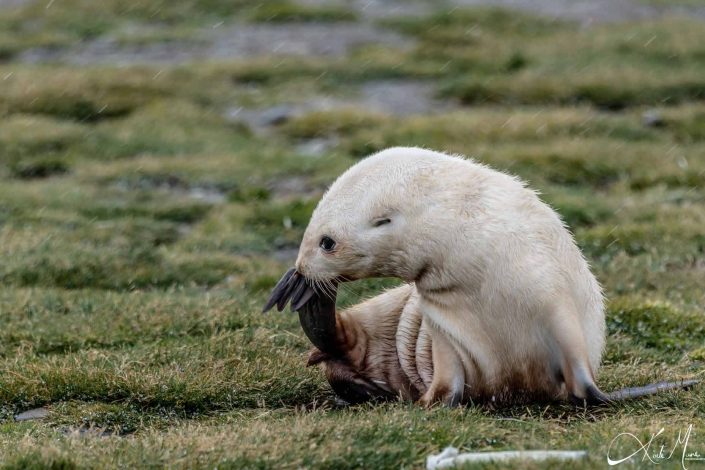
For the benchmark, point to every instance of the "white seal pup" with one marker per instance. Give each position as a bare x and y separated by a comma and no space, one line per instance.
508,302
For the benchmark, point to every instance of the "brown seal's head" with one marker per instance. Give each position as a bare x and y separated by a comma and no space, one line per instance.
356,352
346,379
336,347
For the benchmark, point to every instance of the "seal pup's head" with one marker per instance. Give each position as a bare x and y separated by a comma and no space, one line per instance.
365,224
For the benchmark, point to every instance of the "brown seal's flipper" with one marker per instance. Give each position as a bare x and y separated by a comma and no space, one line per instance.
301,296
279,291
317,318
594,396
292,286
316,309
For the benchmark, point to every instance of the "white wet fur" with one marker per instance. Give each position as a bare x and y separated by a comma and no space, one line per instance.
497,272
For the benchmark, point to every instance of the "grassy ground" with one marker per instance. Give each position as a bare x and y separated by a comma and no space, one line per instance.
140,231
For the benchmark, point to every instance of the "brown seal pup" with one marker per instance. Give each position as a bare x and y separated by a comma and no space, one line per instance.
508,303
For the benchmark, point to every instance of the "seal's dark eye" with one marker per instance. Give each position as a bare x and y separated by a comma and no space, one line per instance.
327,243
381,221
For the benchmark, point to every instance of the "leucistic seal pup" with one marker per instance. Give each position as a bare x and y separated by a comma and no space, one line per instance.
499,300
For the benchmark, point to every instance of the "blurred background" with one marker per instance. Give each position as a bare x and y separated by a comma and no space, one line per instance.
159,161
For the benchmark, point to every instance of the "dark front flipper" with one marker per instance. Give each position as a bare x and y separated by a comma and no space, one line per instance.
317,317
279,291
302,296
316,309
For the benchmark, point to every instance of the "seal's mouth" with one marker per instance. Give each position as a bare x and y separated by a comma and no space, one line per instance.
316,308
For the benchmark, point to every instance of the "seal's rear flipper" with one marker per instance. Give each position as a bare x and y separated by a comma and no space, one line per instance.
594,396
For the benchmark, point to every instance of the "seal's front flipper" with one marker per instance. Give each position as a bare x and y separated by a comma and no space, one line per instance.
279,292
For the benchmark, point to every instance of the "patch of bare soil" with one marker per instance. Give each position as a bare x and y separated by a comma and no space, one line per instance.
13,3
390,97
237,41
591,11
584,11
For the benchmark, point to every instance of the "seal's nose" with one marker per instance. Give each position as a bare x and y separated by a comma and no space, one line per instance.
301,265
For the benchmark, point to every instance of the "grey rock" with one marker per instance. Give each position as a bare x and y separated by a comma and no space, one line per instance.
589,12
652,118
390,97
276,115
13,3
261,119
401,97
206,194
37,413
316,147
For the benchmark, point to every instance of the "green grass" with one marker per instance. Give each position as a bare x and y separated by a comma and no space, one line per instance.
285,11
141,231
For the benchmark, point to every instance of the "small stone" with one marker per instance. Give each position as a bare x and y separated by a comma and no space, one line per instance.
37,413
84,431
652,118
315,147
205,194
340,402
276,115
261,120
